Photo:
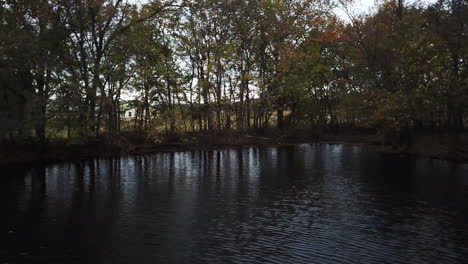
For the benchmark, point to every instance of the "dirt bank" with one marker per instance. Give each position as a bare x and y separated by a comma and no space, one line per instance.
428,145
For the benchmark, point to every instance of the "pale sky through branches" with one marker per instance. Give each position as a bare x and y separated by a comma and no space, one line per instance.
368,6
353,8
357,7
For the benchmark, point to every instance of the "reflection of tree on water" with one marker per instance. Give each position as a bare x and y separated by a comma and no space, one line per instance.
38,185
37,199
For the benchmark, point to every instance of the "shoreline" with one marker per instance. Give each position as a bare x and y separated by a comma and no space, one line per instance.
63,153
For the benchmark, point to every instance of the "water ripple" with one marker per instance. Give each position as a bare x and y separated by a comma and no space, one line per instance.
299,204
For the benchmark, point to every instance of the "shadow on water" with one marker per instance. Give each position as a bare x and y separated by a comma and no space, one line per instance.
314,203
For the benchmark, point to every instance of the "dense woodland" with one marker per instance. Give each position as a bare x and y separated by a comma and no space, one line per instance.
68,68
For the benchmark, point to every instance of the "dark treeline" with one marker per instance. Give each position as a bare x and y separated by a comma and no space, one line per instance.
68,68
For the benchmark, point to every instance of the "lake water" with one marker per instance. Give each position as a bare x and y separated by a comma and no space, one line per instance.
312,203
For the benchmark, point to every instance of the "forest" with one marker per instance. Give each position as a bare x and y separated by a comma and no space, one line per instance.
70,69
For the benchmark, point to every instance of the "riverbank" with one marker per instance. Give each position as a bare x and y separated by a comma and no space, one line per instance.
426,145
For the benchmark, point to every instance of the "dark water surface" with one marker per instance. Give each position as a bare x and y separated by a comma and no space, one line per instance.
298,204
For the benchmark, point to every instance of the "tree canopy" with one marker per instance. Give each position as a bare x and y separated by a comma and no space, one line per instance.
68,68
